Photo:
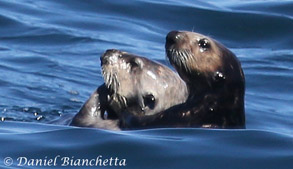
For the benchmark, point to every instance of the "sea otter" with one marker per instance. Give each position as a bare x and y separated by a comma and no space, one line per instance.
132,83
215,82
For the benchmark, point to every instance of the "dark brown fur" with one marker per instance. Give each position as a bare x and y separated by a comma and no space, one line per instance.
215,81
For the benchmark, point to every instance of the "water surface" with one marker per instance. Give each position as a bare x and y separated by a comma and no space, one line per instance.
49,63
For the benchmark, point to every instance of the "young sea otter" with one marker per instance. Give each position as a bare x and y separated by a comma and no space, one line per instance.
132,83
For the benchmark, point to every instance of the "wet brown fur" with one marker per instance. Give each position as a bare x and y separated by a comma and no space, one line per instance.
215,81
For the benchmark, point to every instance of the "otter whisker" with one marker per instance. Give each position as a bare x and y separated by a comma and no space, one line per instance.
180,58
109,80
115,83
112,83
184,59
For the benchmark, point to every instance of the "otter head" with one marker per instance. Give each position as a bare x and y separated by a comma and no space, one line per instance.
122,75
142,86
201,61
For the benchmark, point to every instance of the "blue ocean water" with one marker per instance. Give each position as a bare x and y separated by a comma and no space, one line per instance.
49,63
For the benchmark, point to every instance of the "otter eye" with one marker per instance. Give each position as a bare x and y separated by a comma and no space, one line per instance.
149,100
204,44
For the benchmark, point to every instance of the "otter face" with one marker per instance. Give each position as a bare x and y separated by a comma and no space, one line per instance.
117,68
122,75
193,53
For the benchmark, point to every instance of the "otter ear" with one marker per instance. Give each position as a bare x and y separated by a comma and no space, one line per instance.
138,62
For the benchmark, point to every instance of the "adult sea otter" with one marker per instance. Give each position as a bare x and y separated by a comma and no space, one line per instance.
215,82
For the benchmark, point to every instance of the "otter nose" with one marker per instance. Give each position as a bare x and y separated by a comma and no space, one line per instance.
107,55
173,37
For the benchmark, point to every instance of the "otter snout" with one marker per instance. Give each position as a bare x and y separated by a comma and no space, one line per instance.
173,37
110,56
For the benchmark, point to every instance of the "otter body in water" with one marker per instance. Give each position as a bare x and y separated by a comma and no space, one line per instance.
215,81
